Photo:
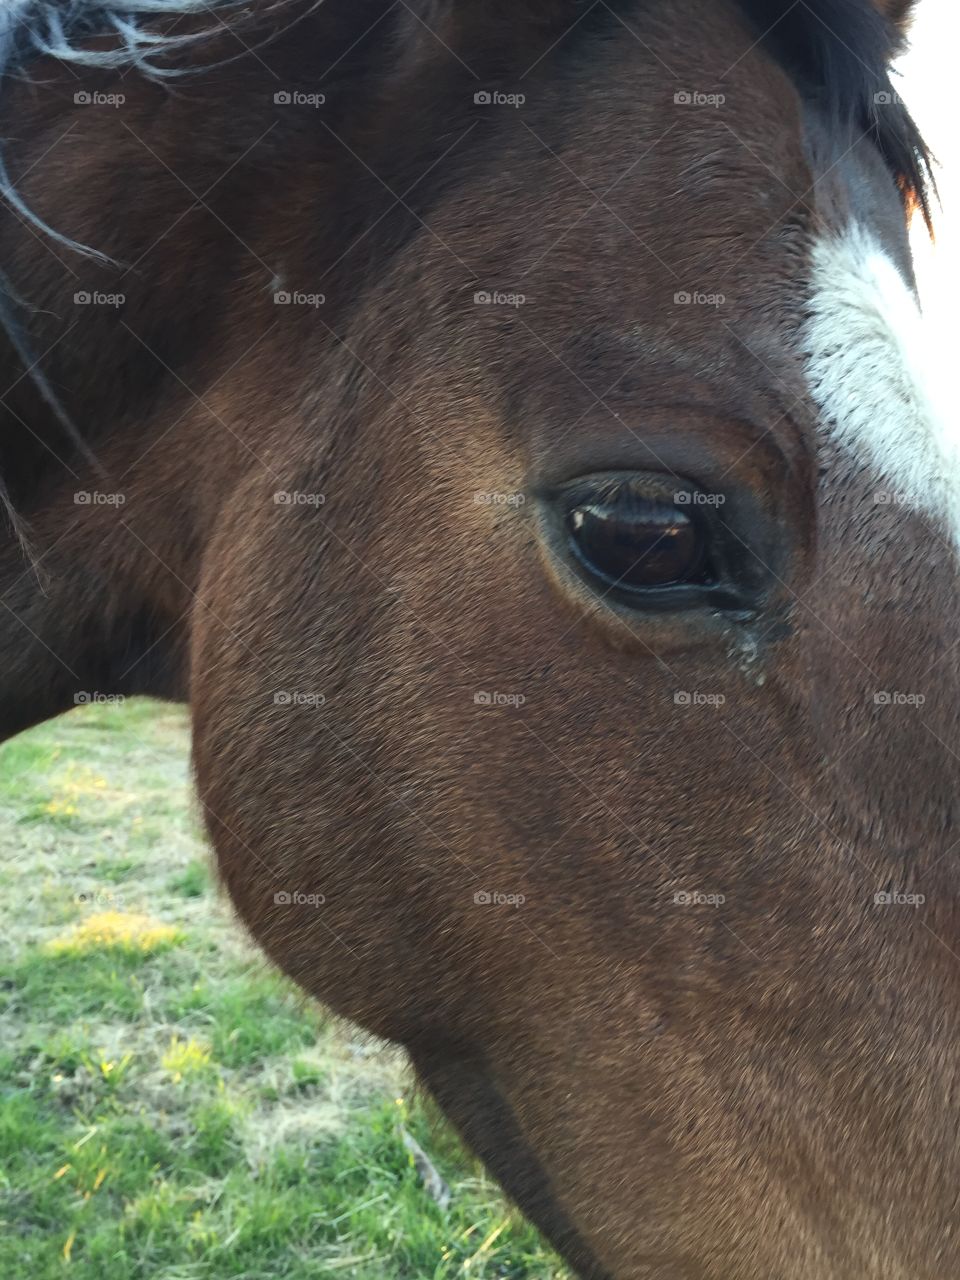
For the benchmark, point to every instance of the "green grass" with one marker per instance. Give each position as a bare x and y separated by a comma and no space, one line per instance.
170,1107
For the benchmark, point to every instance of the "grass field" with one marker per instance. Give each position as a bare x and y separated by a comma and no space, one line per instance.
169,1107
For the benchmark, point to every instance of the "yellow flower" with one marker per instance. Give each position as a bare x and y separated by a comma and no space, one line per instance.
126,930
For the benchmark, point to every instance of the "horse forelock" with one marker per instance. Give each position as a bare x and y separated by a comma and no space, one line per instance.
839,52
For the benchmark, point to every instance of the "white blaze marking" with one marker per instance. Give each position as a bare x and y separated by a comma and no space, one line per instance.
870,373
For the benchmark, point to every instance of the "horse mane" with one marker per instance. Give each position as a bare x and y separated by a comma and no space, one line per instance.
59,29
839,52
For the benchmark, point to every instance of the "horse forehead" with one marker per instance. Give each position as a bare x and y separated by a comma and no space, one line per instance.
870,373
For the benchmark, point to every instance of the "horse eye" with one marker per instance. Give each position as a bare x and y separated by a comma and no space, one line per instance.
638,543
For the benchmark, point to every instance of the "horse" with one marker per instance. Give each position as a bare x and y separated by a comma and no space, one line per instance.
507,426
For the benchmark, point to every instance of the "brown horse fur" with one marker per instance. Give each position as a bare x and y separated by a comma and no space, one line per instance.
761,1088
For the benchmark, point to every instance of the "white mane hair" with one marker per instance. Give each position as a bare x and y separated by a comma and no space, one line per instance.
59,28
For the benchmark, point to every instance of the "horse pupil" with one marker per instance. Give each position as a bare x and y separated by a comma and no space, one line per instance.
635,542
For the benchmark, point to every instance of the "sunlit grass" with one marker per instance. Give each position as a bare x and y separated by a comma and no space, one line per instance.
186,1059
